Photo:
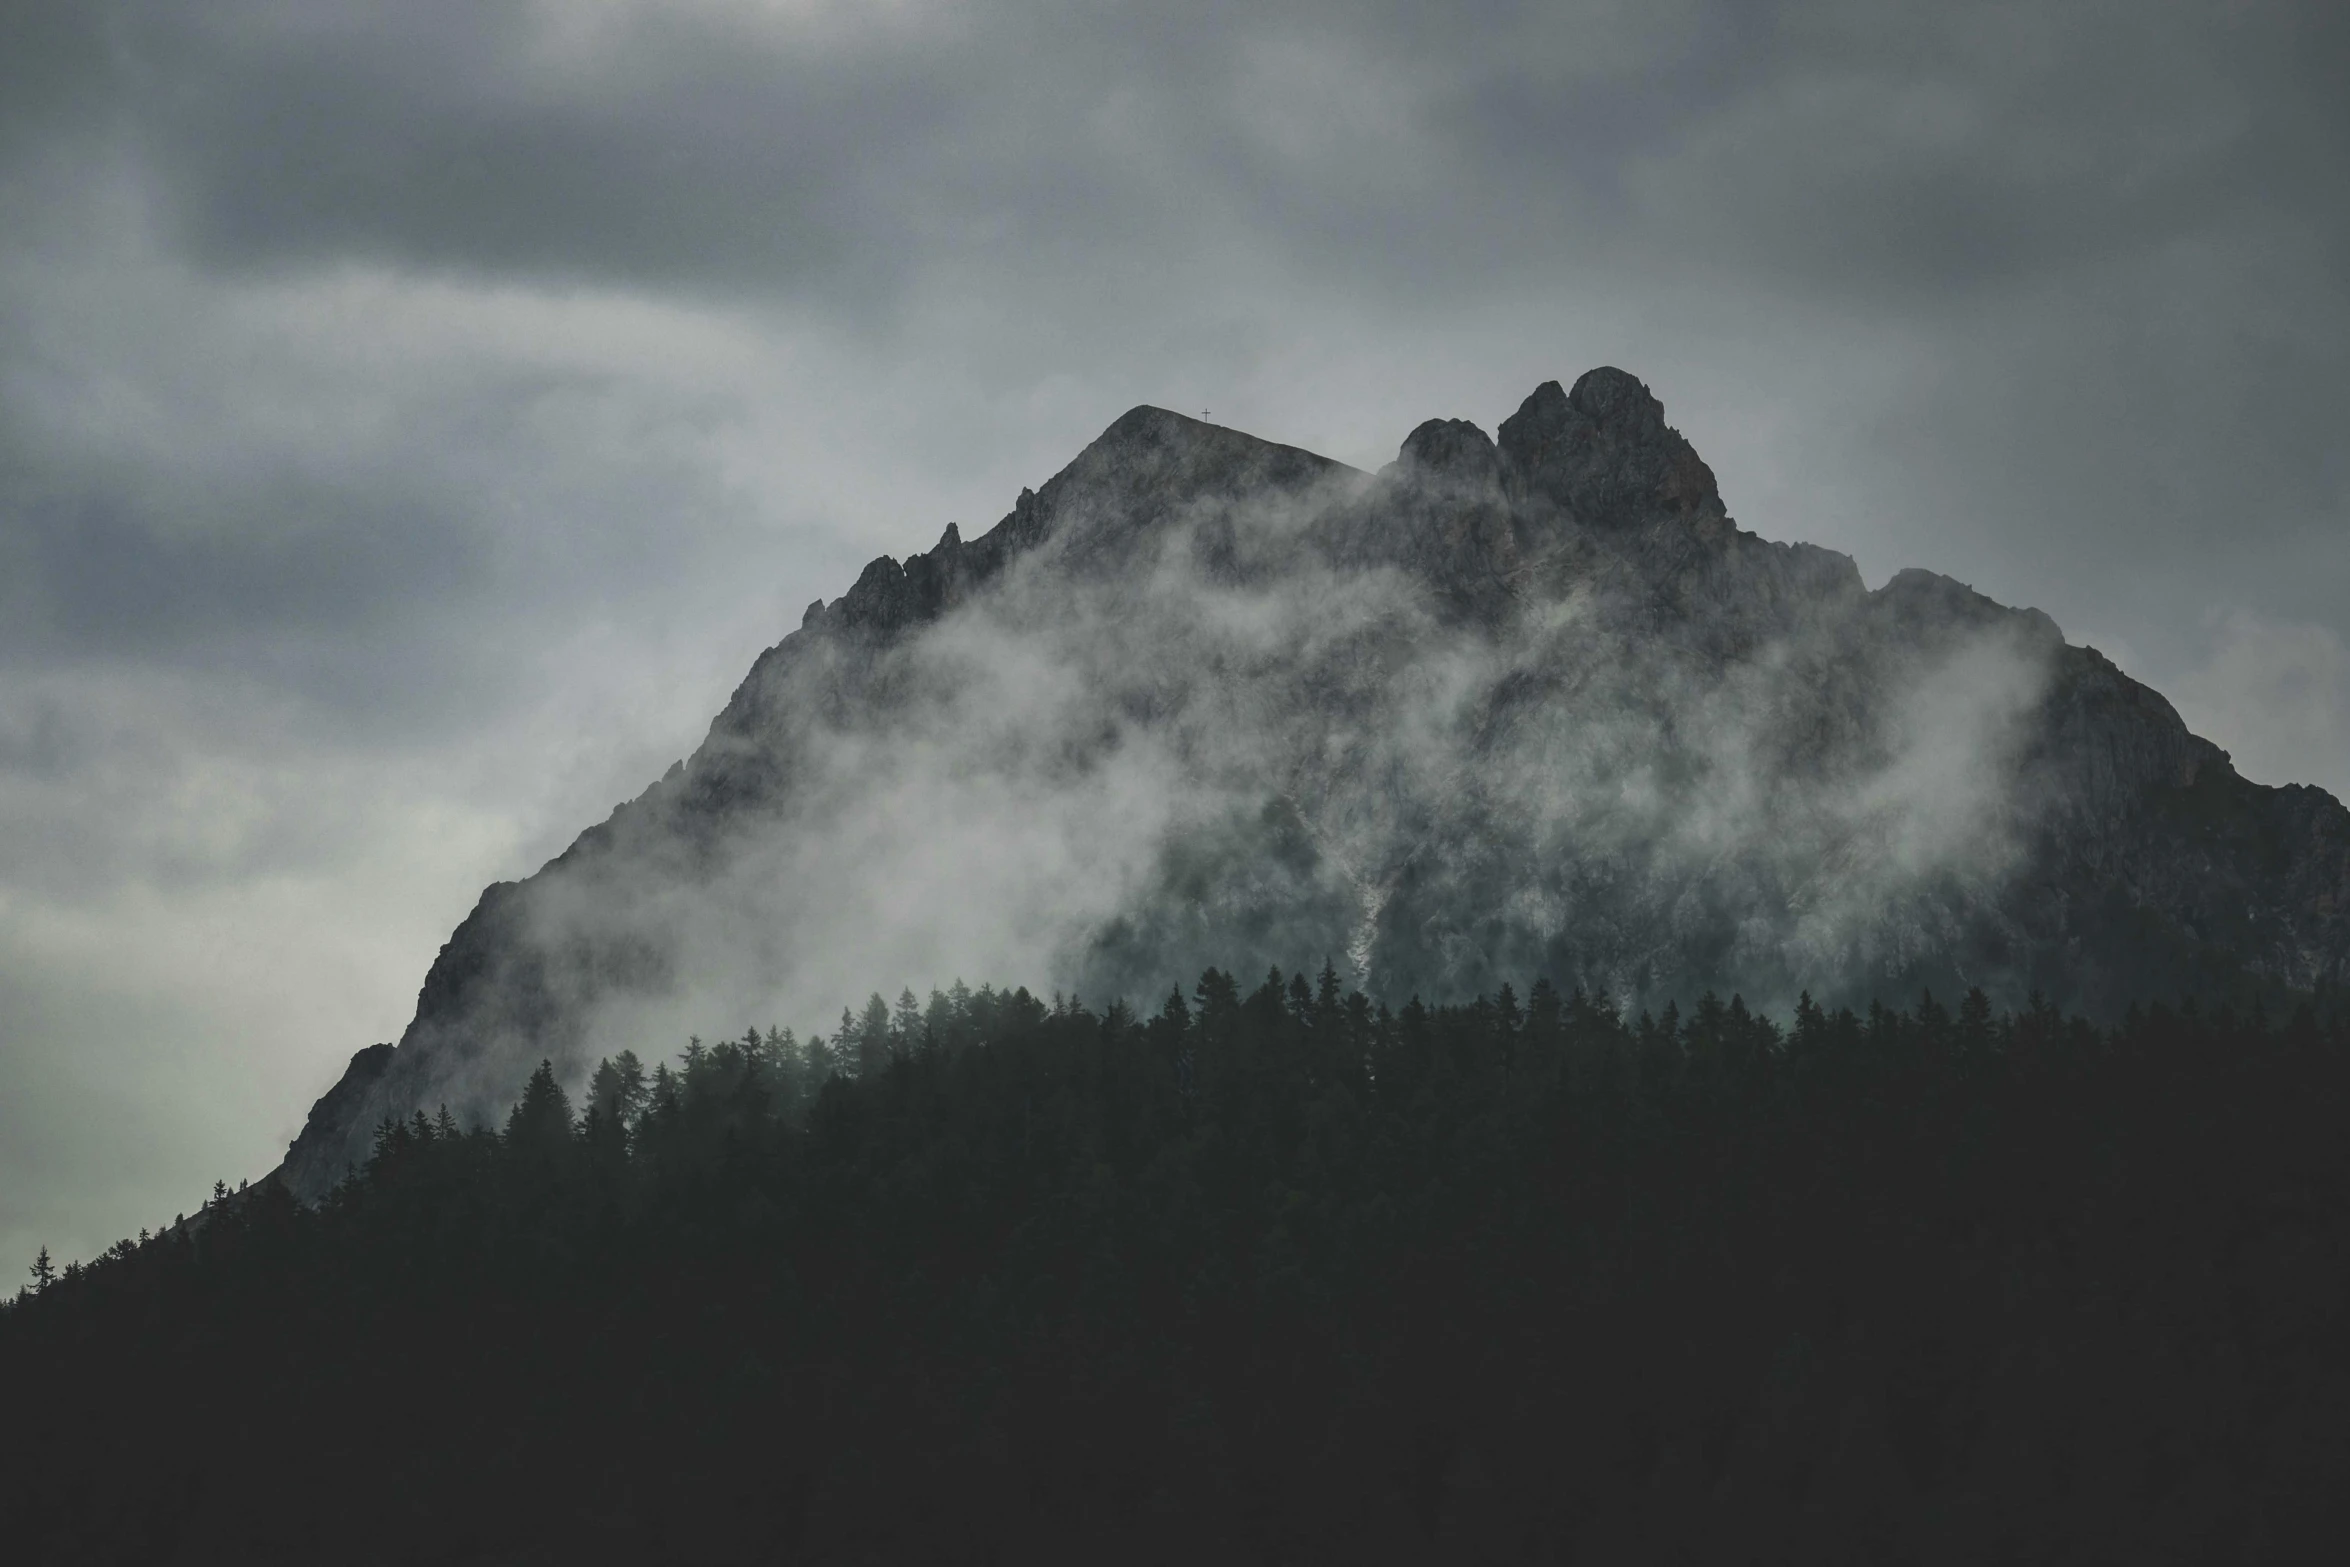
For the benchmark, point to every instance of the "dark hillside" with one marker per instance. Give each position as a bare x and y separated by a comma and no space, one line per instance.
1274,1275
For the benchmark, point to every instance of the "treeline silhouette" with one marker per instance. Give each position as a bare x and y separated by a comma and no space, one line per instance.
1273,1275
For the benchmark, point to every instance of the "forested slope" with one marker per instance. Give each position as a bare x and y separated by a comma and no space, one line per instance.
1272,1275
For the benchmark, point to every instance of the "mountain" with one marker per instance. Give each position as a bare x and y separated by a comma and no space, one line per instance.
1526,704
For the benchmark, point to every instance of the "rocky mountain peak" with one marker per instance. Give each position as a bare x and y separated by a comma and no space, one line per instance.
1518,705
1606,395
1452,449
1604,455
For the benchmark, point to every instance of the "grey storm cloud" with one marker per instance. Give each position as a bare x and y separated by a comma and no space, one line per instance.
1896,153
1889,151
413,418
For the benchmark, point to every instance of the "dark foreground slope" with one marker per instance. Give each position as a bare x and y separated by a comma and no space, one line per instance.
1274,1277
1521,705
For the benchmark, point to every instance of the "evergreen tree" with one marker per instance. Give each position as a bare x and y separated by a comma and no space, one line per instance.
823,1059
541,1120
848,1053
619,1089
873,1042
1301,1001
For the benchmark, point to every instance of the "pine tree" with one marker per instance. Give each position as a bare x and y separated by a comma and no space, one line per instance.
823,1061
541,1119
664,1103
1545,1029
603,1137
1218,999
618,1088
873,1038
848,1060
1974,1022
1810,1027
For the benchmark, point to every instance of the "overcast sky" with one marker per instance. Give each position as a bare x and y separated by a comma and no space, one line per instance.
415,417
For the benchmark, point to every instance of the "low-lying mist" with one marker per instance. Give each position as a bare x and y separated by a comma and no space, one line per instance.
1534,707
1102,777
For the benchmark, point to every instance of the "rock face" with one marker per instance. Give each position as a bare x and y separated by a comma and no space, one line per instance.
1514,706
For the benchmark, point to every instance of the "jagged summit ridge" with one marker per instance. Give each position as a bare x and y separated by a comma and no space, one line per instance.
1604,454
1523,703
